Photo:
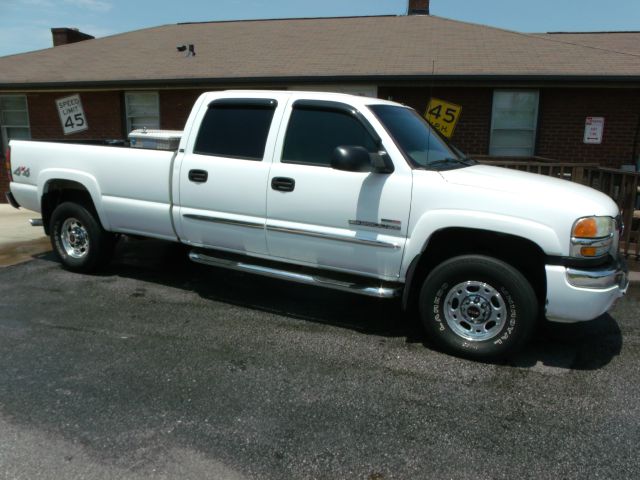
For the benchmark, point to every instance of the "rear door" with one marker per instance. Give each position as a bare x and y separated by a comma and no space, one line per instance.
223,174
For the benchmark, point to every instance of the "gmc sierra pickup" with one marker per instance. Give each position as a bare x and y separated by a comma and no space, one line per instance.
346,192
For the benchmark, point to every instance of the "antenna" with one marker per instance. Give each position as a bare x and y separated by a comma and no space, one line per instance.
433,74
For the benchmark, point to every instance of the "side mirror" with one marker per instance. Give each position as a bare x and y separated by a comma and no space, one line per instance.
351,159
381,162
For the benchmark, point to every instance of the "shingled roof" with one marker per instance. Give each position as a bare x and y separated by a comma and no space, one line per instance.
330,49
623,42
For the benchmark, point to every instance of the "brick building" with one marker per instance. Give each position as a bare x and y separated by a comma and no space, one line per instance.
521,94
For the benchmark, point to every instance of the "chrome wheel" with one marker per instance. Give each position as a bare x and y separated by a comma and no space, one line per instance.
75,238
475,311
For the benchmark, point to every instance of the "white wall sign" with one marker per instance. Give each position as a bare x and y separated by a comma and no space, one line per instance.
71,114
593,130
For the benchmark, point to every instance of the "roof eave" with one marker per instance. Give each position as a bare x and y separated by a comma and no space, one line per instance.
626,80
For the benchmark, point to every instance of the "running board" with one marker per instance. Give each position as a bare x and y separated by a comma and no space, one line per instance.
380,290
35,222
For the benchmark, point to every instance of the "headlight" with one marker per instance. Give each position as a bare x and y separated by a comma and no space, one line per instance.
592,236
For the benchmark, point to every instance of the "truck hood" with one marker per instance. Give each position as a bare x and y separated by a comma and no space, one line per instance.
539,188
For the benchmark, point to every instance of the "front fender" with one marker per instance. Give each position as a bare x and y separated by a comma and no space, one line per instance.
430,222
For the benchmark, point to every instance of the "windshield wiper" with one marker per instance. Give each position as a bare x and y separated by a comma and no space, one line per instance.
450,160
468,161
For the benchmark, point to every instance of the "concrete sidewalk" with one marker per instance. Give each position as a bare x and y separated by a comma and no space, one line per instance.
19,241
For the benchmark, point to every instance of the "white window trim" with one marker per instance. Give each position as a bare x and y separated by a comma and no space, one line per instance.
535,128
126,106
4,139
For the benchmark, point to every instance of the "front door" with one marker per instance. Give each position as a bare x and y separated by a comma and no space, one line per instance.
323,217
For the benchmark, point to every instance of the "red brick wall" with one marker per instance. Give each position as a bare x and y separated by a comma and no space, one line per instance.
4,180
103,111
562,114
473,129
418,5
562,119
175,106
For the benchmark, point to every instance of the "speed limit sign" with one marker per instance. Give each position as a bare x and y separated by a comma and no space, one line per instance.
443,116
71,114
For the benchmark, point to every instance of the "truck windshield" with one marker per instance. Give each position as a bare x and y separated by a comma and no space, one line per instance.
418,141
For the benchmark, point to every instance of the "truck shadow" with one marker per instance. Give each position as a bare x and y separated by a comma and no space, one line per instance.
582,346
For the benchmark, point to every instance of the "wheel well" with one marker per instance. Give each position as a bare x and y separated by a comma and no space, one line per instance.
59,191
519,252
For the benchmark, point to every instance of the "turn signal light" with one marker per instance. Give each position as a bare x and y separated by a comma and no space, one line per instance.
593,227
592,237
586,228
589,251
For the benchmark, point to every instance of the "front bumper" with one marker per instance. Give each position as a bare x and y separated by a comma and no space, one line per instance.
576,295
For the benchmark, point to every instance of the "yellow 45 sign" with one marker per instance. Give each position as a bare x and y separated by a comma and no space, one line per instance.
443,116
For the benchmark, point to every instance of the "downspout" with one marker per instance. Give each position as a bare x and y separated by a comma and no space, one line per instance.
636,146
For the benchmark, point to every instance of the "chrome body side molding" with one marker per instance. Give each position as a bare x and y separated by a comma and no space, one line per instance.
330,236
226,221
295,231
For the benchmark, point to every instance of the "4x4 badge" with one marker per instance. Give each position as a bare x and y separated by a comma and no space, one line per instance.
22,171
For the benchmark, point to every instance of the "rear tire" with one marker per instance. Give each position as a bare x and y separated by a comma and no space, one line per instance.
478,307
78,239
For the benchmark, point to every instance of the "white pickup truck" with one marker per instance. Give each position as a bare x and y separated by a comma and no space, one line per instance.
345,192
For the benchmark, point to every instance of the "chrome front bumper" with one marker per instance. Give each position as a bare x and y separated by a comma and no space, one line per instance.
615,274
576,295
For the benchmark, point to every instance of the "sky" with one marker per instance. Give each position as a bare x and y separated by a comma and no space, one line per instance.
25,24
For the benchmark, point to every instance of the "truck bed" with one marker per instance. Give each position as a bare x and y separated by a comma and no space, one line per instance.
131,187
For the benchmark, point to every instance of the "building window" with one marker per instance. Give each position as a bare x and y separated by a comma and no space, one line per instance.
513,123
14,119
143,110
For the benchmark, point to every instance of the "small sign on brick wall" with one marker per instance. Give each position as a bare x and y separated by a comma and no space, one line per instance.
443,116
593,130
71,114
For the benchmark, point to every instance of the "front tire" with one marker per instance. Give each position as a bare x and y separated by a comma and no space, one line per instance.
478,307
78,239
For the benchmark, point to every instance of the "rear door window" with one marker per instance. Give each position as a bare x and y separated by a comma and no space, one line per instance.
236,129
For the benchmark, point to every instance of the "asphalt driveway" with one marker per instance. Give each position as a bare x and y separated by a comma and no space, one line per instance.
165,369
